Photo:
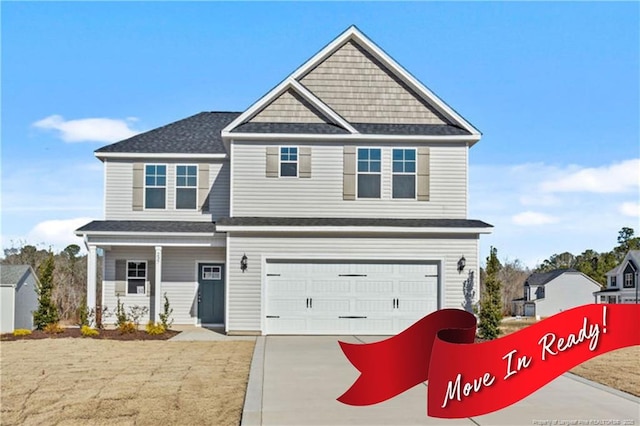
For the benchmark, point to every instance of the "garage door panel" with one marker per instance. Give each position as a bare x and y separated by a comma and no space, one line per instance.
333,287
374,306
371,297
322,305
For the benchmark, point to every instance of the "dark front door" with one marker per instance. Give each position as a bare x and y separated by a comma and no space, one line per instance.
211,293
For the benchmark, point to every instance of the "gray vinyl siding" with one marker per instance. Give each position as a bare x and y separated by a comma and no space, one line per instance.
119,192
362,90
245,291
26,302
179,278
567,291
288,108
321,195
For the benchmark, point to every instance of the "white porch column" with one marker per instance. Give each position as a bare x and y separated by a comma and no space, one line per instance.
92,261
158,283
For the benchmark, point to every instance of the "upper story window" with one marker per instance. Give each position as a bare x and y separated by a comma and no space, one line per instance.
369,171
186,187
289,161
155,180
629,276
404,173
136,277
613,282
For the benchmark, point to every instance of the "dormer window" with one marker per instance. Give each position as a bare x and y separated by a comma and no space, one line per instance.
629,276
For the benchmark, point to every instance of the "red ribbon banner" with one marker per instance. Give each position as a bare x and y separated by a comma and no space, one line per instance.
468,379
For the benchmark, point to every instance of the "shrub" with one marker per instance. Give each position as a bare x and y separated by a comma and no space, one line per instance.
21,332
166,313
53,328
121,315
127,327
491,299
47,312
155,329
88,331
135,313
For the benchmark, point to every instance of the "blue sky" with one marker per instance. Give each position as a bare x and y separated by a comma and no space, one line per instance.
554,87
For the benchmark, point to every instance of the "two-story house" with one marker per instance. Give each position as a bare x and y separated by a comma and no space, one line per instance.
336,204
548,293
622,281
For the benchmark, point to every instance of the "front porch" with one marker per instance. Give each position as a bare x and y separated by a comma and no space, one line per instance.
143,262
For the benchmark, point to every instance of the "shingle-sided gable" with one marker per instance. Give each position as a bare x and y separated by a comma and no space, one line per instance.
198,134
354,83
363,90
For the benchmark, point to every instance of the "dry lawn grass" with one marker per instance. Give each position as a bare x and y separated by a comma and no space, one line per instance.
103,382
618,369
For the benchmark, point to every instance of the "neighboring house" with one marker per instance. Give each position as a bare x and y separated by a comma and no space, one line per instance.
18,297
548,293
336,204
622,281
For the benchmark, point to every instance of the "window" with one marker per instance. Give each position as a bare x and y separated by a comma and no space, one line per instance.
613,299
404,173
629,276
186,187
155,180
369,170
211,273
613,282
289,161
136,277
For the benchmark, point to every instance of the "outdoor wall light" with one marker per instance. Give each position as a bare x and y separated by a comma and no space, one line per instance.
243,263
462,263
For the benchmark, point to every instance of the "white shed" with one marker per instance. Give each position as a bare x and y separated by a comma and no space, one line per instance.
18,297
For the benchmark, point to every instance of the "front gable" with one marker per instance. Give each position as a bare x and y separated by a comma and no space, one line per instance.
352,84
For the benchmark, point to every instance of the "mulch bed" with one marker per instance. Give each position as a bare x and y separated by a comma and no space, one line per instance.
109,334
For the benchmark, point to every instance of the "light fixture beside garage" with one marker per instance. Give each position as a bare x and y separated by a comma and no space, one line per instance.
243,263
462,263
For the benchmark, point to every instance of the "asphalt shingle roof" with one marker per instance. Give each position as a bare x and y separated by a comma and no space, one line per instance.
11,274
312,128
542,278
409,129
288,221
198,134
147,226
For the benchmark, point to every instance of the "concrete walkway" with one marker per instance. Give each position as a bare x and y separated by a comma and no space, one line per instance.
192,333
296,380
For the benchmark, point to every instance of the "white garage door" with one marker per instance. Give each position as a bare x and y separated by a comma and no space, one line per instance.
348,298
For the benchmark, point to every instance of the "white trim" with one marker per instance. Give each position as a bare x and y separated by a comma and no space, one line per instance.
164,234
231,174
359,137
414,174
157,265
176,187
147,155
358,173
144,185
151,244
355,229
227,260
146,276
288,162
324,108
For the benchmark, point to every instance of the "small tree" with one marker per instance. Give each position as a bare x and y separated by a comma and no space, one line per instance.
47,312
166,313
491,299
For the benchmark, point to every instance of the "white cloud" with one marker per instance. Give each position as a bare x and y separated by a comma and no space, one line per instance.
630,209
88,129
57,233
615,178
530,218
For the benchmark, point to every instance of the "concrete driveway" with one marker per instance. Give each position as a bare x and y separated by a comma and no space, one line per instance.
295,380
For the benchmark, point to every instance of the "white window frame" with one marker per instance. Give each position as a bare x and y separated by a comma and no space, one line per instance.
166,185
415,174
145,278
280,162
175,201
627,282
614,281
358,173
213,272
